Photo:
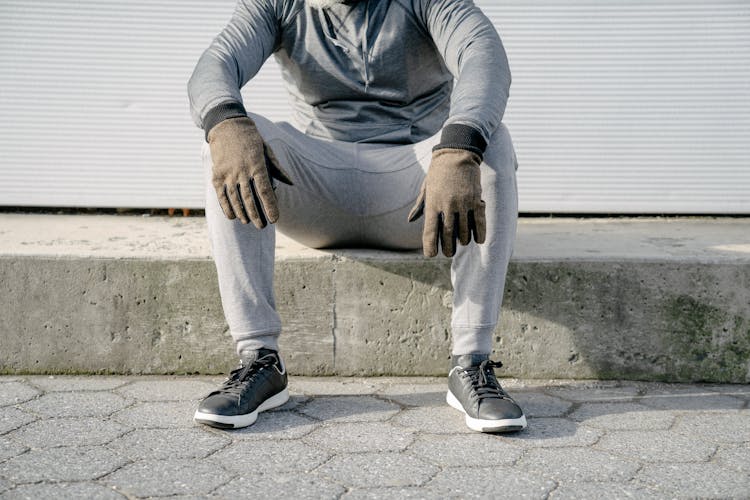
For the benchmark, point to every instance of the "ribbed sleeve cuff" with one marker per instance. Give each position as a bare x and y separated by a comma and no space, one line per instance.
460,136
223,111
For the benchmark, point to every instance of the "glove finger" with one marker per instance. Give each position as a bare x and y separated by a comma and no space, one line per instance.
265,197
274,167
448,235
480,224
250,197
236,202
418,209
226,207
430,234
462,224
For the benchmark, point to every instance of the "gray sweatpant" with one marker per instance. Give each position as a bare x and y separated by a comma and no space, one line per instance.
351,194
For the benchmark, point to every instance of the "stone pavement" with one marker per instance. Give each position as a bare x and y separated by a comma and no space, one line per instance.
133,437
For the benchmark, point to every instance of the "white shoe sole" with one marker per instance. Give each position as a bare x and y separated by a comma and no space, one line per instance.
482,425
238,421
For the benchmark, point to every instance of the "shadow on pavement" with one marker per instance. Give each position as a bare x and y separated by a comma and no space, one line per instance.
559,414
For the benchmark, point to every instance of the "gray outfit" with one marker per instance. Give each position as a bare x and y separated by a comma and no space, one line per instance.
360,194
376,71
372,85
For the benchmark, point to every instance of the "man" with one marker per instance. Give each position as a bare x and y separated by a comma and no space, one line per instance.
378,124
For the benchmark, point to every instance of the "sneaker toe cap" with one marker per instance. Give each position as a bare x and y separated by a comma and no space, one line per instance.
219,404
499,409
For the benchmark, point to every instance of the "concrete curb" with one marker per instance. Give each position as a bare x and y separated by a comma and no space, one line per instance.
652,317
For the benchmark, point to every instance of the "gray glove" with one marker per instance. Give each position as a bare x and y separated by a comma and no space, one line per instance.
451,201
242,171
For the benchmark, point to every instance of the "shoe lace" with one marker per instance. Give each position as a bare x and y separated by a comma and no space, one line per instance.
239,378
484,382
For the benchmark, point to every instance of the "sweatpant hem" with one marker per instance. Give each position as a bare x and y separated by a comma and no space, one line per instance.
260,339
255,333
472,340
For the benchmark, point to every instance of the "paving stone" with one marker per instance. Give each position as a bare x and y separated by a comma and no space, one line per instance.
406,493
555,432
270,457
63,383
63,490
10,448
689,398
623,416
13,393
61,464
143,444
656,446
168,477
291,449
489,482
295,402
360,437
578,464
377,469
608,490
735,457
455,450
724,428
512,384
184,389
68,432
350,409
538,385
536,404
416,394
595,393
435,420
13,418
297,486
76,404
696,480
158,414
385,382
277,425
185,497
332,386
214,380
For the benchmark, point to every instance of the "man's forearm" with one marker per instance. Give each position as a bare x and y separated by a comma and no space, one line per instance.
232,59
473,52
213,84
481,92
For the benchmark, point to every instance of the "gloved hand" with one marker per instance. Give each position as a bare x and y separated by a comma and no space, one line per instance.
243,163
451,201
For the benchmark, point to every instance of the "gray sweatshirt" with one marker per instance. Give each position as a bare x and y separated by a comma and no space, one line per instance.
363,71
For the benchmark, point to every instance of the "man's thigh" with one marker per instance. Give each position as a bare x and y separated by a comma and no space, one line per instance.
347,194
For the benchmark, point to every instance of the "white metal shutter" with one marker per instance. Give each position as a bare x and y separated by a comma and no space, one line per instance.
94,104
629,105
619,106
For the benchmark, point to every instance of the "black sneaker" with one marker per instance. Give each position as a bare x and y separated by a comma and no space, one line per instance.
474,390
258,384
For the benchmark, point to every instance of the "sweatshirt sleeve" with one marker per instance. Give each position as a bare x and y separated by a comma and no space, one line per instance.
233,58
472,51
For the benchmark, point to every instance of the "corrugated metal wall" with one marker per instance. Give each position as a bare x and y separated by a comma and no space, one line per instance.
619,106
630,105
